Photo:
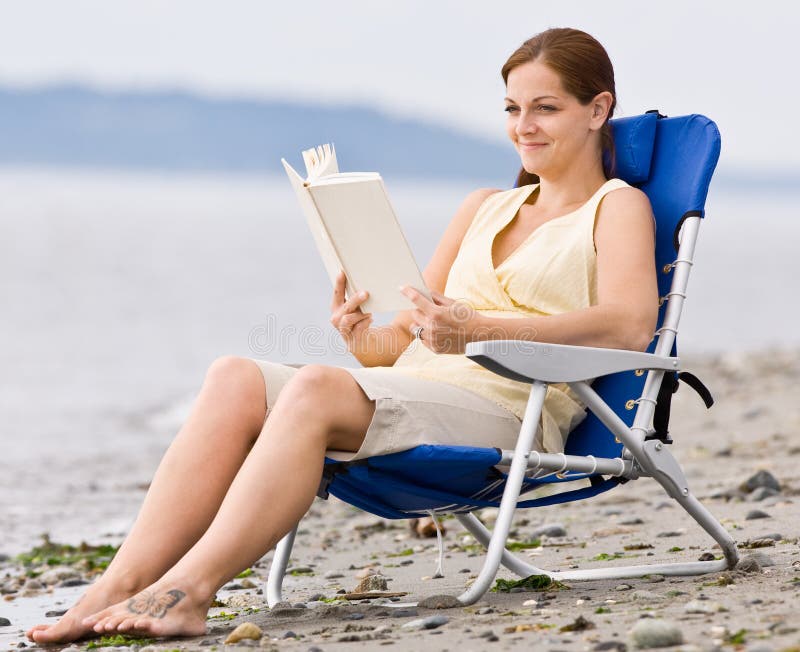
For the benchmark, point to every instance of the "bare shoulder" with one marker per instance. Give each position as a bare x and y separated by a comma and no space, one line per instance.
626,203
472,202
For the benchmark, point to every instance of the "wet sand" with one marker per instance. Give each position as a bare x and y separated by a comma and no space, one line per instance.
754,426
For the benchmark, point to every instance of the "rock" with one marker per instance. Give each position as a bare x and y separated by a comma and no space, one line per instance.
372,583
748,564
403,613
706,556
549,530
56,613
669,533
317,597
654,578
74,581
4,622
439,602
754,514
700,607
57,574
247,583
488,515
431,622
654,632
760,479
33,584
332,575
631,521
647,596
289,634
623,587
366,572
580,624
761,493
300,570
763,559
614,646
775,536
244,631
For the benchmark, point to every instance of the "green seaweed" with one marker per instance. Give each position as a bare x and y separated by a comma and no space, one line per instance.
402,553
117,641
530,583
675,549
602,610
223,615
245,573
737,638
604,556
523,545
61,554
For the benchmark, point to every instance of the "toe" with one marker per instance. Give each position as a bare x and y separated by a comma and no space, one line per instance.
126,625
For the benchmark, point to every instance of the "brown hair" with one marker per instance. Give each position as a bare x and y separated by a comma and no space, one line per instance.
585,70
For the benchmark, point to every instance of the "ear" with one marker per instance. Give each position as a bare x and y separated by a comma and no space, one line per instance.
601,105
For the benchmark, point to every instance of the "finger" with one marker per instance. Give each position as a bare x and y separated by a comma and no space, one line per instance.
353,303
415,297
440,299
351,319
338,291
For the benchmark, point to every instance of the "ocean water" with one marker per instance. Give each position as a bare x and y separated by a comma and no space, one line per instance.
117,290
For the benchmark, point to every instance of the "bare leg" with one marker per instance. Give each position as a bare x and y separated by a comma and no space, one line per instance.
320,407
185,493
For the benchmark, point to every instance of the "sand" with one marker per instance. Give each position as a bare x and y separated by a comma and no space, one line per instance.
755,425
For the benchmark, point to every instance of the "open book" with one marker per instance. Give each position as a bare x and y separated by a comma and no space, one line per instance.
356,230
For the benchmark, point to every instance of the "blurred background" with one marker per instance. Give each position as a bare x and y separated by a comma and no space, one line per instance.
146,227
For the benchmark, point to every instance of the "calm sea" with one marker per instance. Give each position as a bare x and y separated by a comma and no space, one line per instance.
117,290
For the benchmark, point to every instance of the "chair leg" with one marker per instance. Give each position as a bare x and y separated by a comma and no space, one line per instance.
277,568
508,504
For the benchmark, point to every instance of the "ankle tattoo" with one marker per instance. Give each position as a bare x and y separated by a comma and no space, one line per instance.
154,604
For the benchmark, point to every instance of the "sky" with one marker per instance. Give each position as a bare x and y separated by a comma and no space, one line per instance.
438,61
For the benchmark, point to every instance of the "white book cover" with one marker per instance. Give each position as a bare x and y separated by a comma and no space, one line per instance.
356,230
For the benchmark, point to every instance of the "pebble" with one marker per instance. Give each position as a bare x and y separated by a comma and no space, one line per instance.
647,595
299,569
366,572
332,575
371,583
762,558
655,578
33,584
549,530
4,622
74,581
290,634
57,574
56,613
761,493
761,478
669,533
439,602
244,631
632,521
754,514
317,597
775,536
654,632
431,622
623,587
701,607
403,613
706,556
614,646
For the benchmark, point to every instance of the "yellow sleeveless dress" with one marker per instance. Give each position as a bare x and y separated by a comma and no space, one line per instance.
553,271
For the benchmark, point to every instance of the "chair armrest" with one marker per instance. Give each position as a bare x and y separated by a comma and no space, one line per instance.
527,361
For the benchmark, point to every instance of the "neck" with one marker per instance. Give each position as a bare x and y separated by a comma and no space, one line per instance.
571,186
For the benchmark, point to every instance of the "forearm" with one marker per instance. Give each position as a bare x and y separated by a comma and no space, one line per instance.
606,326
381,345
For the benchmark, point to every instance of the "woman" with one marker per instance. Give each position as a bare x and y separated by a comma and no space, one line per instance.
233,482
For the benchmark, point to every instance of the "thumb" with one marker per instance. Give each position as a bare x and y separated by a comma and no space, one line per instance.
440,299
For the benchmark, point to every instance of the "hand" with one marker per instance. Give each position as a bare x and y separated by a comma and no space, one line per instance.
447,324
347,316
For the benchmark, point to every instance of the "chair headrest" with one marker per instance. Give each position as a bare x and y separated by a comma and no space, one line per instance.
634,138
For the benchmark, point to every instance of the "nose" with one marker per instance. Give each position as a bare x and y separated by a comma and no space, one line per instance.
526,124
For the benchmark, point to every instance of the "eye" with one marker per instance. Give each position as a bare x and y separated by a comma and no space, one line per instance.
511,108
547,108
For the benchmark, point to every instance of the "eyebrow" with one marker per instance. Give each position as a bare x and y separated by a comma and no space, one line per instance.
535,99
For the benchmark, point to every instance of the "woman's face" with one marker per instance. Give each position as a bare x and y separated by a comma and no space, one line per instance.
550,129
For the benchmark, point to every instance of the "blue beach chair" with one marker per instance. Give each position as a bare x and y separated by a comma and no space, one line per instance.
625,435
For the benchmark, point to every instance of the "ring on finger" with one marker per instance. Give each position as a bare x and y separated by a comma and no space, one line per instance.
418,332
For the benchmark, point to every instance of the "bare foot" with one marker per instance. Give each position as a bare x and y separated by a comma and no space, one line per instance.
99,595
425,527
167,608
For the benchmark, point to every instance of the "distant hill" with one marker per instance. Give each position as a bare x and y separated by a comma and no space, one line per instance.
77,126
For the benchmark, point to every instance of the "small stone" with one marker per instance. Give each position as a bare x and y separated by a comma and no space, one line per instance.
353,616
244,631
33,584
623,587
75,581
317,597
763,559
647,595
775,536
290,634
485,610
654,632
431,622
631,521
55,613
300,570
610,646
706,556
700,607
439,602
761,493
332,575
57,574
754,514
655,578
551,530
760,479
366,572
247,583
748,564
669,533
403,613
372,583
4,622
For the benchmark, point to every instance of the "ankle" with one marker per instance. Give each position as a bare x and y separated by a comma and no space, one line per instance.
124,581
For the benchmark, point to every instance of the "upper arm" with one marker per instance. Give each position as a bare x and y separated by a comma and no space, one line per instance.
436,271
624,237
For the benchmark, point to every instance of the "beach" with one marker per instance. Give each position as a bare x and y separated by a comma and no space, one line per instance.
115,310
754,608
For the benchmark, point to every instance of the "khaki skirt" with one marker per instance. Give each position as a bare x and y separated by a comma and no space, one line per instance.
410,411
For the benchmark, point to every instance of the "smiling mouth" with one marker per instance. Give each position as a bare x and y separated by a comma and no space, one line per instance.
531,145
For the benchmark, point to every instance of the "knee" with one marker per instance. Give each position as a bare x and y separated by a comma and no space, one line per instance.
312,385
237,375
